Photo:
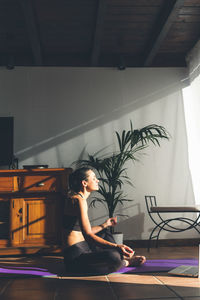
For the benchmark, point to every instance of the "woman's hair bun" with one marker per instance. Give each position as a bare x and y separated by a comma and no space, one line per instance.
76,178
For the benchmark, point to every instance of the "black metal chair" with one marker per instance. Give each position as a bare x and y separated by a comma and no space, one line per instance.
169,224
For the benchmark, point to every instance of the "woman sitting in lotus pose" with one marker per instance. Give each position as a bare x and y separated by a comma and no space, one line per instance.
90,250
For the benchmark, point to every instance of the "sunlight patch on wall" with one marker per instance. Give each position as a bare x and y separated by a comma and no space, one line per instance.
192,109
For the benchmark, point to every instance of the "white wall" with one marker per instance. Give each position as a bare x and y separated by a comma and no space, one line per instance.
59,111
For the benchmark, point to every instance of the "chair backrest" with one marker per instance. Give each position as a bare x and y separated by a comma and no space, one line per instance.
150,201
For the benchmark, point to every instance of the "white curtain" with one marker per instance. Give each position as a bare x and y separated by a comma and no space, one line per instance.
191,96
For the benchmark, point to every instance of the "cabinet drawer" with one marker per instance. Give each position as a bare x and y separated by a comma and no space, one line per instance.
6,184
38,183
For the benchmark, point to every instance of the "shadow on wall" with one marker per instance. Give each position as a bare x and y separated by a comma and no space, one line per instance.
132,227
127,96
130,220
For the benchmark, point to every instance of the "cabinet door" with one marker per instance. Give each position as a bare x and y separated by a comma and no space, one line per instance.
16,224
37,221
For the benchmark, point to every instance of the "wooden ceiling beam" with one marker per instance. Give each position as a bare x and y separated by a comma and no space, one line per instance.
162,27
32,31
96,49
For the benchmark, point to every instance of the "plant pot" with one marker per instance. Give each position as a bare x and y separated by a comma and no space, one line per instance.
118,237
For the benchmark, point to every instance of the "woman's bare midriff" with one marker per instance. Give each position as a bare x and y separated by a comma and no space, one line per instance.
72,237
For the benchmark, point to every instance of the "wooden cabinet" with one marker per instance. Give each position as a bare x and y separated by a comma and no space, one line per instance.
33,202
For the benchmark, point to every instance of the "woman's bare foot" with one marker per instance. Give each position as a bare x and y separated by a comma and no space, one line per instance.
135,261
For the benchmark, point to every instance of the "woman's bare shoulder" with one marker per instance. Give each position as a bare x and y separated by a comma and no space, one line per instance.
73,199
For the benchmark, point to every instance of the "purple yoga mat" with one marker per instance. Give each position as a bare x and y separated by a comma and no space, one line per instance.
159,265
26,271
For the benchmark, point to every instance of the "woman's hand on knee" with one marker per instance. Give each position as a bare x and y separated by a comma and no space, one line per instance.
125,250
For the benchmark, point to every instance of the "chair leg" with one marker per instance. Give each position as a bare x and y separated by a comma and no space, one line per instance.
149,245
151,237
156,236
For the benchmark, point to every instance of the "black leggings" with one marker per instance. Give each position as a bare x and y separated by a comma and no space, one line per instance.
82,259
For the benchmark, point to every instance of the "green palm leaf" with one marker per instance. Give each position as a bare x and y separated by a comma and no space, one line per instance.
111,168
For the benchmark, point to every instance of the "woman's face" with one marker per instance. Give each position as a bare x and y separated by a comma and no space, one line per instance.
92,182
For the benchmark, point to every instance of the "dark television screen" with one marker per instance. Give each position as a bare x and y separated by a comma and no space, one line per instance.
6,140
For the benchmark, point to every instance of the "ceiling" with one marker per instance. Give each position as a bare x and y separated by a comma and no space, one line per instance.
98,33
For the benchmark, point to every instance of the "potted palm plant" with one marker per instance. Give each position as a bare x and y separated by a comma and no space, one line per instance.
111,168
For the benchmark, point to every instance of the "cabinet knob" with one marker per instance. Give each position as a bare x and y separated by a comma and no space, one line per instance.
19,212
40,184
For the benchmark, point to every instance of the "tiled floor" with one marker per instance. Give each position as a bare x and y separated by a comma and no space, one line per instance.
112,287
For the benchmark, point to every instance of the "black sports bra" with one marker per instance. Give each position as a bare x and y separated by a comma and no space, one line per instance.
71,222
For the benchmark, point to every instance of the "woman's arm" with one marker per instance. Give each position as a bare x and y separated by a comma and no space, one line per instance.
108,223
88,234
